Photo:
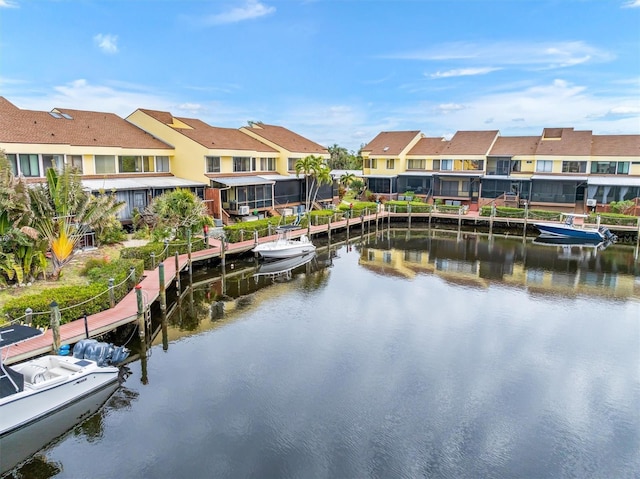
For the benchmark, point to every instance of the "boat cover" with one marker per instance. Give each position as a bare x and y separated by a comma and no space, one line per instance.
16,333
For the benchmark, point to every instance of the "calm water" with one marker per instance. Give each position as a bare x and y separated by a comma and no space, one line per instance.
402,357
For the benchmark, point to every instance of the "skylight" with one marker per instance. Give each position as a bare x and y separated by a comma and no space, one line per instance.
55,114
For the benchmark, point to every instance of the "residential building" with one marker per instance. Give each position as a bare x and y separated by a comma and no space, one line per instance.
111,154
248,170
560,169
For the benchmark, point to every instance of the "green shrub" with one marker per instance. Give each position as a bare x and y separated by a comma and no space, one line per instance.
73,300
160,251
613,219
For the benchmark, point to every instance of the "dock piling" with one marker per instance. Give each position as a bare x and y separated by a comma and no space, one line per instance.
141,322
55,325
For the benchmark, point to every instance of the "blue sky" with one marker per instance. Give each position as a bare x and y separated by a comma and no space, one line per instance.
335,71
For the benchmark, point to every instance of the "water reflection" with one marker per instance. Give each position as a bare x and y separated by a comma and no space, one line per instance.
476,262
390,355
79,420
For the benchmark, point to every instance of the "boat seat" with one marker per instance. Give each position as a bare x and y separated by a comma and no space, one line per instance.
33,373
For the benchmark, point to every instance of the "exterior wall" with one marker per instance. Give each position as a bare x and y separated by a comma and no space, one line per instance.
87,153
188,161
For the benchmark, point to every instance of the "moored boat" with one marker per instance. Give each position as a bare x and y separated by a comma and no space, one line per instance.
568,229
34,389
284,246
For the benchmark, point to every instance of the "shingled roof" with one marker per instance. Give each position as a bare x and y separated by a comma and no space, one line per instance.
212,137
390,143
284,138
564,142
615,145
514,145
471,143
71,127
428,147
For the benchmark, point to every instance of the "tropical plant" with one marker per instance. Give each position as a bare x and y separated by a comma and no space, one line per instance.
316,174
21,252
64,212
179,210
347,178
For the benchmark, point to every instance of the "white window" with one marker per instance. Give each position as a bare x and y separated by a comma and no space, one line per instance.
267,164
446,165
105,164
213,164
75,161
391,164
544,166
53,161
162,164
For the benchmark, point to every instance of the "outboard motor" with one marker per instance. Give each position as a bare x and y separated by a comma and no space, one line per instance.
101,353
608,235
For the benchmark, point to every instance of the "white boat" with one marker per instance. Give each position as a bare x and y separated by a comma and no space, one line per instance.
284,246
568,229
34,389
22,444
281,267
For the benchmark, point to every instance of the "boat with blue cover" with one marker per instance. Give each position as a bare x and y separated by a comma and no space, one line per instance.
568,229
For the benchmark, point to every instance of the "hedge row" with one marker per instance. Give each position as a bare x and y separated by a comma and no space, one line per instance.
89,299
145,252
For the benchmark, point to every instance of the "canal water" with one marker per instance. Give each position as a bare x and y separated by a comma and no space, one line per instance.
398,355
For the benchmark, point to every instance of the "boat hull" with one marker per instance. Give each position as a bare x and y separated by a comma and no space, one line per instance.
282,252
21,444
550,230
48,396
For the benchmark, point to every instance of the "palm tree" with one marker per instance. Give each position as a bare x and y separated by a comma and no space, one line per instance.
64,212
346,179
316,174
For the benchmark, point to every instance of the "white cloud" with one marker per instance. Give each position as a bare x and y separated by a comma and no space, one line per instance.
460,72
631,4
250,10
107,43
8,4
527,110
559,54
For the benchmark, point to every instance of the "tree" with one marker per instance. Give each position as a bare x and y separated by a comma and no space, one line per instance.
346,179
64,212
21,252
179,210
316,174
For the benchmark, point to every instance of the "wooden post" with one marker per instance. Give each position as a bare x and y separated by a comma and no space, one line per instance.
526,217
86,325
409,211
189,252
459,219
141,322
153,261
255,237
329,230
163,293
177,258
112,294
28,316
54,323
222,251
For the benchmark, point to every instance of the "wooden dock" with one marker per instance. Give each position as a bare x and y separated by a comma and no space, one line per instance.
126,311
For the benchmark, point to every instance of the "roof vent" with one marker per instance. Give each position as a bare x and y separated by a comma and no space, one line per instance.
386,148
